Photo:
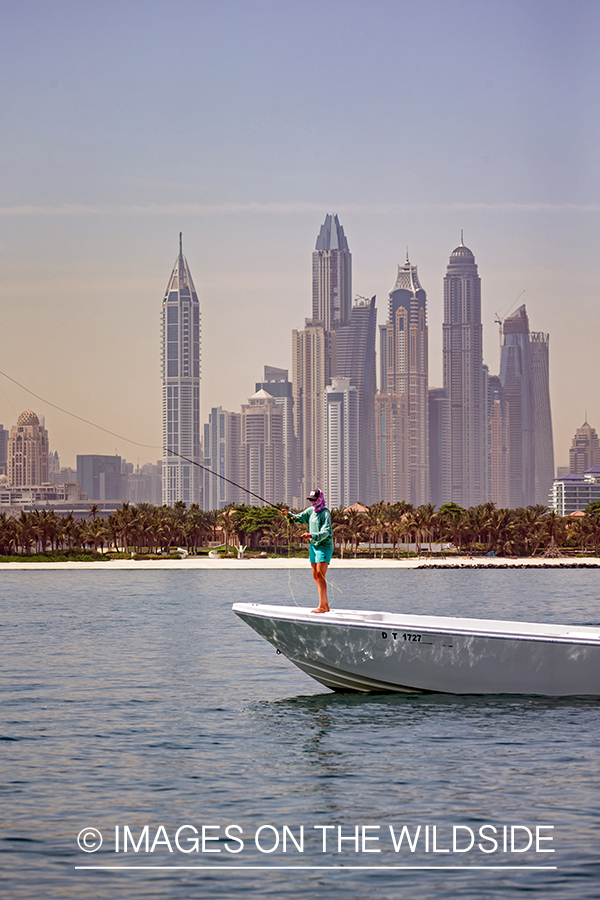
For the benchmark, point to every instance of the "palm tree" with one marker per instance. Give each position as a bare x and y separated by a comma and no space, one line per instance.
276,533
96,532
7,534
555,532
339,526
451,517
355,523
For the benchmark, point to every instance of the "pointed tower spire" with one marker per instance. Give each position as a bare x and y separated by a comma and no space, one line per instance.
332,276
181,386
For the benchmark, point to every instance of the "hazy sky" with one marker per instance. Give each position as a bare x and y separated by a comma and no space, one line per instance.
242,124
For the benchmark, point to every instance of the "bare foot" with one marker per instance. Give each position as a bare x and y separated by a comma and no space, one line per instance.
321,609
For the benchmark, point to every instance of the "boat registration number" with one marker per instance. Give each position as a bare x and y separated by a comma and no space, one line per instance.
403,635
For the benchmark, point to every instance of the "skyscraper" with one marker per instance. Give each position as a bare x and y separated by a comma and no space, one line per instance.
353,357
332,276
392,447
182,479
262,450
439,447
102,478
499,442
585,450
310,377
222,440
464,379
404,350
27,463
339,341
342,464
517,381
4,434
542,416
277,385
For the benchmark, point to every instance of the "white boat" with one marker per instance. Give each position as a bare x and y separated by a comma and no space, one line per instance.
356,650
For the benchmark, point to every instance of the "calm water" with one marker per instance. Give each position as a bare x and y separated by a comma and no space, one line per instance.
138,699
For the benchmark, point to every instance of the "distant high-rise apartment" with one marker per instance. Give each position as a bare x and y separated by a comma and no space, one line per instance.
276,384
439,447
542,416
353,357
27,462
4,435
144,485
392,447
101,478
222,443
310,377
342,464
464,379
585,450
262,449
181,475
499,444
517,380
332,276
404,349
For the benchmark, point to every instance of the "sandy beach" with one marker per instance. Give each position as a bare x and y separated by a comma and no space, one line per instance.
203,562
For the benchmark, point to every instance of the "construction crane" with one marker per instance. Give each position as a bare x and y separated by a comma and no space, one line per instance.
500,322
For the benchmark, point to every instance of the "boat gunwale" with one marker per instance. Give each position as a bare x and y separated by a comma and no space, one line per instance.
358,619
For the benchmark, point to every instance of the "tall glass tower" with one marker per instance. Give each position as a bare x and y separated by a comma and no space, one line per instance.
542,415
464,379
332,276
353,357
404,371
180,328
517,380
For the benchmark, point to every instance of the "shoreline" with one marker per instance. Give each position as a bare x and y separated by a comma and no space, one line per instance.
203,563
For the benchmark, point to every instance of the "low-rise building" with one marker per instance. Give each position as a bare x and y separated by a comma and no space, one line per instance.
40,495
573,492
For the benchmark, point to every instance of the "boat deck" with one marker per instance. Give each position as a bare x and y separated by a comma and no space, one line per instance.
494,628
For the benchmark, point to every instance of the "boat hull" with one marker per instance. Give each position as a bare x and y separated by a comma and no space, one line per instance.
353,650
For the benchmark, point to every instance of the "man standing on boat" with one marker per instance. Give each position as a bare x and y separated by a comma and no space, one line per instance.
320,534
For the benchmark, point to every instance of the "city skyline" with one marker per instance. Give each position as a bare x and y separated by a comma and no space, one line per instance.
462,267
94,193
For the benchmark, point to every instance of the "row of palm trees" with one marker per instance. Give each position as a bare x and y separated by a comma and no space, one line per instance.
151,529
528,531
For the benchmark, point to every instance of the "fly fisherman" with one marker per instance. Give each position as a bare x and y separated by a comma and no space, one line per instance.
320,534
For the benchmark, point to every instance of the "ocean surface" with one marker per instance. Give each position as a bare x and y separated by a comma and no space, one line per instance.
137,704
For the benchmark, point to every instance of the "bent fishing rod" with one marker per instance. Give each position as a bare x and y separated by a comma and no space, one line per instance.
222,477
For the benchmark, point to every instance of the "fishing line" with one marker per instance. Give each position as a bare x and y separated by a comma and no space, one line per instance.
137,443
169,451
289,565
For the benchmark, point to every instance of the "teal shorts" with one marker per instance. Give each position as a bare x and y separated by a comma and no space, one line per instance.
317,556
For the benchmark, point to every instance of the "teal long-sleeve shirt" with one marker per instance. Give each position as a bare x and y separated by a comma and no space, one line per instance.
319,527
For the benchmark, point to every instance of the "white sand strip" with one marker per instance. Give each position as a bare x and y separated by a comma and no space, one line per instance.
203,562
